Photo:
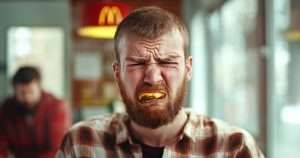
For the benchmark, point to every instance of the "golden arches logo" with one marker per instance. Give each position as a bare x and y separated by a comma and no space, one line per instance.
110,15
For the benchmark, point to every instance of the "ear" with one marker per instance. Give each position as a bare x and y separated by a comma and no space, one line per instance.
188,67
116,69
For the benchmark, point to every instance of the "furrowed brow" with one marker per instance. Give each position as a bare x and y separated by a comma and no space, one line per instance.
136,59
168,57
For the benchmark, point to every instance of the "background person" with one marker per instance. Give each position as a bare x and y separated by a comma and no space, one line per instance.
32,121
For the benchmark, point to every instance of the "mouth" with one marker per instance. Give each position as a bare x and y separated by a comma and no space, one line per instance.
146,97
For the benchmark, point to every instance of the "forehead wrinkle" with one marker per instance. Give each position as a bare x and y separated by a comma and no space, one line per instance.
135,55
134,52
150,42
152,49
151,46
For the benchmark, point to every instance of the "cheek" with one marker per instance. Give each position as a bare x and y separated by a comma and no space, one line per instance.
130,79
173,78
34,95
20,97
20,94
29,96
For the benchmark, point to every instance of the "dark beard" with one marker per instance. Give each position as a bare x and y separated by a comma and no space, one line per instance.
154,119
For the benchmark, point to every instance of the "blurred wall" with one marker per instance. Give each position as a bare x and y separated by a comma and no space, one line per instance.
31,13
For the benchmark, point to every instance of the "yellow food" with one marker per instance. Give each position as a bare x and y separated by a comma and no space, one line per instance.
151,95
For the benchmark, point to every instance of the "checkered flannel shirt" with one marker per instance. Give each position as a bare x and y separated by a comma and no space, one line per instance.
202,137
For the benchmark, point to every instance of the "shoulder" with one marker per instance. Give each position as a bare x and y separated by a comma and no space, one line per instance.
102,123
52,102
98,134
7,102
222,136
96,130
212,126
49,97
8,106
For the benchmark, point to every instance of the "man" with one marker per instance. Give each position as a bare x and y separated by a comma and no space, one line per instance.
32,121
152,69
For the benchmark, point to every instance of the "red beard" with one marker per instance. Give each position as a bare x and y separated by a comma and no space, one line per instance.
156,118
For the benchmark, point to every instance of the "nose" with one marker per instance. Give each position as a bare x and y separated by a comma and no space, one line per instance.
152,74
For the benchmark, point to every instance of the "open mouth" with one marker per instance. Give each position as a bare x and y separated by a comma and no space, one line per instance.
145,97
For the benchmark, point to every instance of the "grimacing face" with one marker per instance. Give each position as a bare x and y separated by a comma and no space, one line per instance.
152,76
28,94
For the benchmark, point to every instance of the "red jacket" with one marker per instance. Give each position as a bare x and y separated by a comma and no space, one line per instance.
36,133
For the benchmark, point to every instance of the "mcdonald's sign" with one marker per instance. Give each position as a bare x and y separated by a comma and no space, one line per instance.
100,20
110,15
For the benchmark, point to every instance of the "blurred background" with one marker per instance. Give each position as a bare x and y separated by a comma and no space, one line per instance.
245,70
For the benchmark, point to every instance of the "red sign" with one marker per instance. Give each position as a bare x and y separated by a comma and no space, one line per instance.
104,14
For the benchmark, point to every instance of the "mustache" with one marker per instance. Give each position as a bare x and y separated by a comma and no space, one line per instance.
151,88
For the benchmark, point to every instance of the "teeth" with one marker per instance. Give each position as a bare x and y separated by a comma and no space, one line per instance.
151,95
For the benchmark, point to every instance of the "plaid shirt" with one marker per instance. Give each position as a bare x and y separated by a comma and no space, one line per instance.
33,133
202,137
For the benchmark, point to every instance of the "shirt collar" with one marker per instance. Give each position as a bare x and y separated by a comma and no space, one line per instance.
190,127
123,133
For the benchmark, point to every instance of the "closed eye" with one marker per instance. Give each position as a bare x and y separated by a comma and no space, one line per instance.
135,64
168,63
162,63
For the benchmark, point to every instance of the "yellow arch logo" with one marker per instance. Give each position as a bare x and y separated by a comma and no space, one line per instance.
110,15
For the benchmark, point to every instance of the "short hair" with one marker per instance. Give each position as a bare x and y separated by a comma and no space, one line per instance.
25,75
150,22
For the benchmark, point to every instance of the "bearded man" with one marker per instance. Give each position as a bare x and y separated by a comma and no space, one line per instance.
32,121
152,69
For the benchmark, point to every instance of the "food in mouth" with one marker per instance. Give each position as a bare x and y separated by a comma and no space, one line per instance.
148,96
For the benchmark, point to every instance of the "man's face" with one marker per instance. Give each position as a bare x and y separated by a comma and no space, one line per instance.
28,94
152,77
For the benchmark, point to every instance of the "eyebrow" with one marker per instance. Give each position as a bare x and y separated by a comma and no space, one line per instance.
136,59
168,57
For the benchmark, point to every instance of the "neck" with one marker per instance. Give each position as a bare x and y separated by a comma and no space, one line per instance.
160,136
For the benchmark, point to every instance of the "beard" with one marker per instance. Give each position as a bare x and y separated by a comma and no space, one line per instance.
141,114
